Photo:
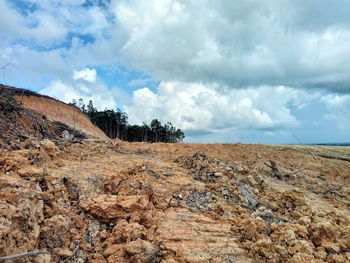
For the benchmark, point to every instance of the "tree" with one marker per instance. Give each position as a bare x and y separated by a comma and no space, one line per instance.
155,127
81,105
179,135
90,108
145,132
115,125
73,103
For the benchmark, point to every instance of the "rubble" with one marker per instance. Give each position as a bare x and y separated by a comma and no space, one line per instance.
136,202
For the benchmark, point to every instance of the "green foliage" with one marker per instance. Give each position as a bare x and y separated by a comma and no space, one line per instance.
9,98
115,125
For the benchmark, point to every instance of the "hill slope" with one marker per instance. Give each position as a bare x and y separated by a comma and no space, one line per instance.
53,110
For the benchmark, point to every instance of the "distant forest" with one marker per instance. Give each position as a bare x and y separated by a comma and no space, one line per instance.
115,125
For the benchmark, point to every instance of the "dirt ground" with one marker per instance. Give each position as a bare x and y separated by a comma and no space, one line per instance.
60,112
113,201
27,114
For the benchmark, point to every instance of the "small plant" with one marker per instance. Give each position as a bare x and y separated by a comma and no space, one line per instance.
9,98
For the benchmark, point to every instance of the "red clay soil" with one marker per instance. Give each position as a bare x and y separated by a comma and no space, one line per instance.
58,111
135,202
18,124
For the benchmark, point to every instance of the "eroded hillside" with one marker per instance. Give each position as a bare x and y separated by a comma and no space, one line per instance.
40,114
18,124
113,201
61,112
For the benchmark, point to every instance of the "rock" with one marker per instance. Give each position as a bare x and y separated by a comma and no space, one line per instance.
300,230
323,232
142,251
105,200
300,246
96,258
294,198
237,168
31,171
194,237
30,144
117,250
113,250
14,161
136,251
49,147
103,234
113,207
45,258
66,136
273,206
250,180
64,252
334,258
53,231
228,168
263,247
290,235
302,258
259,179
305,220
320,253
125,232
21,214
94,229
330,247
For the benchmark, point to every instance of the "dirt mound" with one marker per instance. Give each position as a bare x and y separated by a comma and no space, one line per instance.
18,124
138,202
63,113
54,111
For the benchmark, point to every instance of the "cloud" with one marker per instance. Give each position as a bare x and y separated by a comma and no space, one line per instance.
85,74
202,108
139,81
238,44
84,85
48,23
339,110
39,25
223,66
65,92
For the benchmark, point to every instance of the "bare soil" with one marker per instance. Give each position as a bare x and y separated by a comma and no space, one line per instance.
41,116
113,201
18,124
58,111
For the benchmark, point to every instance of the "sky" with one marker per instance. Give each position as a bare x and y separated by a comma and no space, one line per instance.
246,71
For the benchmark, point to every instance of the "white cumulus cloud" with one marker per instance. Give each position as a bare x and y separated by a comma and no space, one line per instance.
222,65
85,74
199,108
238,43
83,85
339,110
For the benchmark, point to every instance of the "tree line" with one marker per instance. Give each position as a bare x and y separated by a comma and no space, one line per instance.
115,125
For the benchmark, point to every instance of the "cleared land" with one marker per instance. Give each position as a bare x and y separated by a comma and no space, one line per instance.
113,201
